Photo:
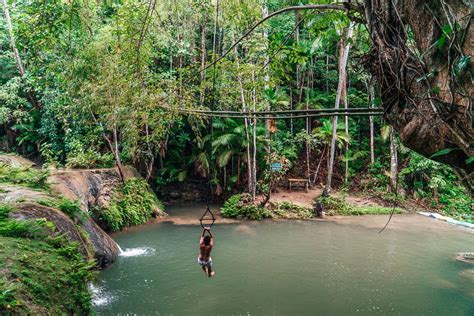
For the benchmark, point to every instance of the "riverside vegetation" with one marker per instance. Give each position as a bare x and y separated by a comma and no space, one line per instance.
241,206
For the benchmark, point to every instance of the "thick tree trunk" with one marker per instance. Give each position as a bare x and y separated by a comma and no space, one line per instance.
428,97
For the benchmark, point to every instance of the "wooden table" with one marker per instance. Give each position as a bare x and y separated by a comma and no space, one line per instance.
294,180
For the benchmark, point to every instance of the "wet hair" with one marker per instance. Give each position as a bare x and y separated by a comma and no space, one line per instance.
207,240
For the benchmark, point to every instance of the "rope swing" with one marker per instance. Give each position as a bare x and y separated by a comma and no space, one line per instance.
207,219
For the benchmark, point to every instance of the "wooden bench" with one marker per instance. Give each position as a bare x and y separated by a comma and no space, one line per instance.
303,181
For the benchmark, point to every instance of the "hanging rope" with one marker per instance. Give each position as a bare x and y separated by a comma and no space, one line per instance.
207,219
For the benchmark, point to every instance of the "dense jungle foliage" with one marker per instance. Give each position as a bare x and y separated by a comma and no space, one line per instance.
105,83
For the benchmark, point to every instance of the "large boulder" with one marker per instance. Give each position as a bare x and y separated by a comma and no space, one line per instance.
105,248
15,194
93,241
91,187
64,225
16,161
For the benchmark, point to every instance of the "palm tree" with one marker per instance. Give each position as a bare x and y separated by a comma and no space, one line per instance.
229,142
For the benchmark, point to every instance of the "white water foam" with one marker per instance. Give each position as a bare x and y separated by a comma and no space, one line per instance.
99,297
137,252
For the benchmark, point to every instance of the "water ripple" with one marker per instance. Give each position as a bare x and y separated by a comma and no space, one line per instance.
99,296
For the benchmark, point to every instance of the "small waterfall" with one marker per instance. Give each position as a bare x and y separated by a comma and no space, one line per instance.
120,249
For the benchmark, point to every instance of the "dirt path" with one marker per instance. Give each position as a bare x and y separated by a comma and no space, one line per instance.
189,214
306,199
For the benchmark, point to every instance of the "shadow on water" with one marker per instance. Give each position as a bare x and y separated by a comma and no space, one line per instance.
289,268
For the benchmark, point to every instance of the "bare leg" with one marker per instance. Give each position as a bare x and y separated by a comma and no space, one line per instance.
210,272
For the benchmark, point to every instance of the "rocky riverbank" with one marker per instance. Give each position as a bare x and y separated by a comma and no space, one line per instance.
60,217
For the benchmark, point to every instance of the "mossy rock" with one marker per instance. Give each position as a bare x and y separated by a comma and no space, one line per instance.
38,279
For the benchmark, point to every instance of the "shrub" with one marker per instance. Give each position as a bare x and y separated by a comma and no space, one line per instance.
133,204
335,204
241,206
19,228
289,210
89,159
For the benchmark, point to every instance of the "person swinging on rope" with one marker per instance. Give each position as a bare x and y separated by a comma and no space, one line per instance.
205,246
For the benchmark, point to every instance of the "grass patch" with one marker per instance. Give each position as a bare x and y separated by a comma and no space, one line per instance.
40,273
26,177
71,208
338,206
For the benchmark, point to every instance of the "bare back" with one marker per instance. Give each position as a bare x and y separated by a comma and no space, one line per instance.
204,252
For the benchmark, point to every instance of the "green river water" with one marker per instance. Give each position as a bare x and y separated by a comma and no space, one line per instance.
289,268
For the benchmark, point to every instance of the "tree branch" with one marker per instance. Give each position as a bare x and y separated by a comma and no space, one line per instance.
292,8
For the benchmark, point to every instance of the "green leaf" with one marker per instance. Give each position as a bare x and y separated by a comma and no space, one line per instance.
446,31
316,44
182,175
443,152
377,101
440,42
470,160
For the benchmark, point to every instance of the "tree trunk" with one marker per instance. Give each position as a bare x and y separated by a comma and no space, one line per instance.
203,61
343,57
297,35
29,93
316,173
254,144
371,91
247,132
118,160
393,162
308,131
346,130
16,55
